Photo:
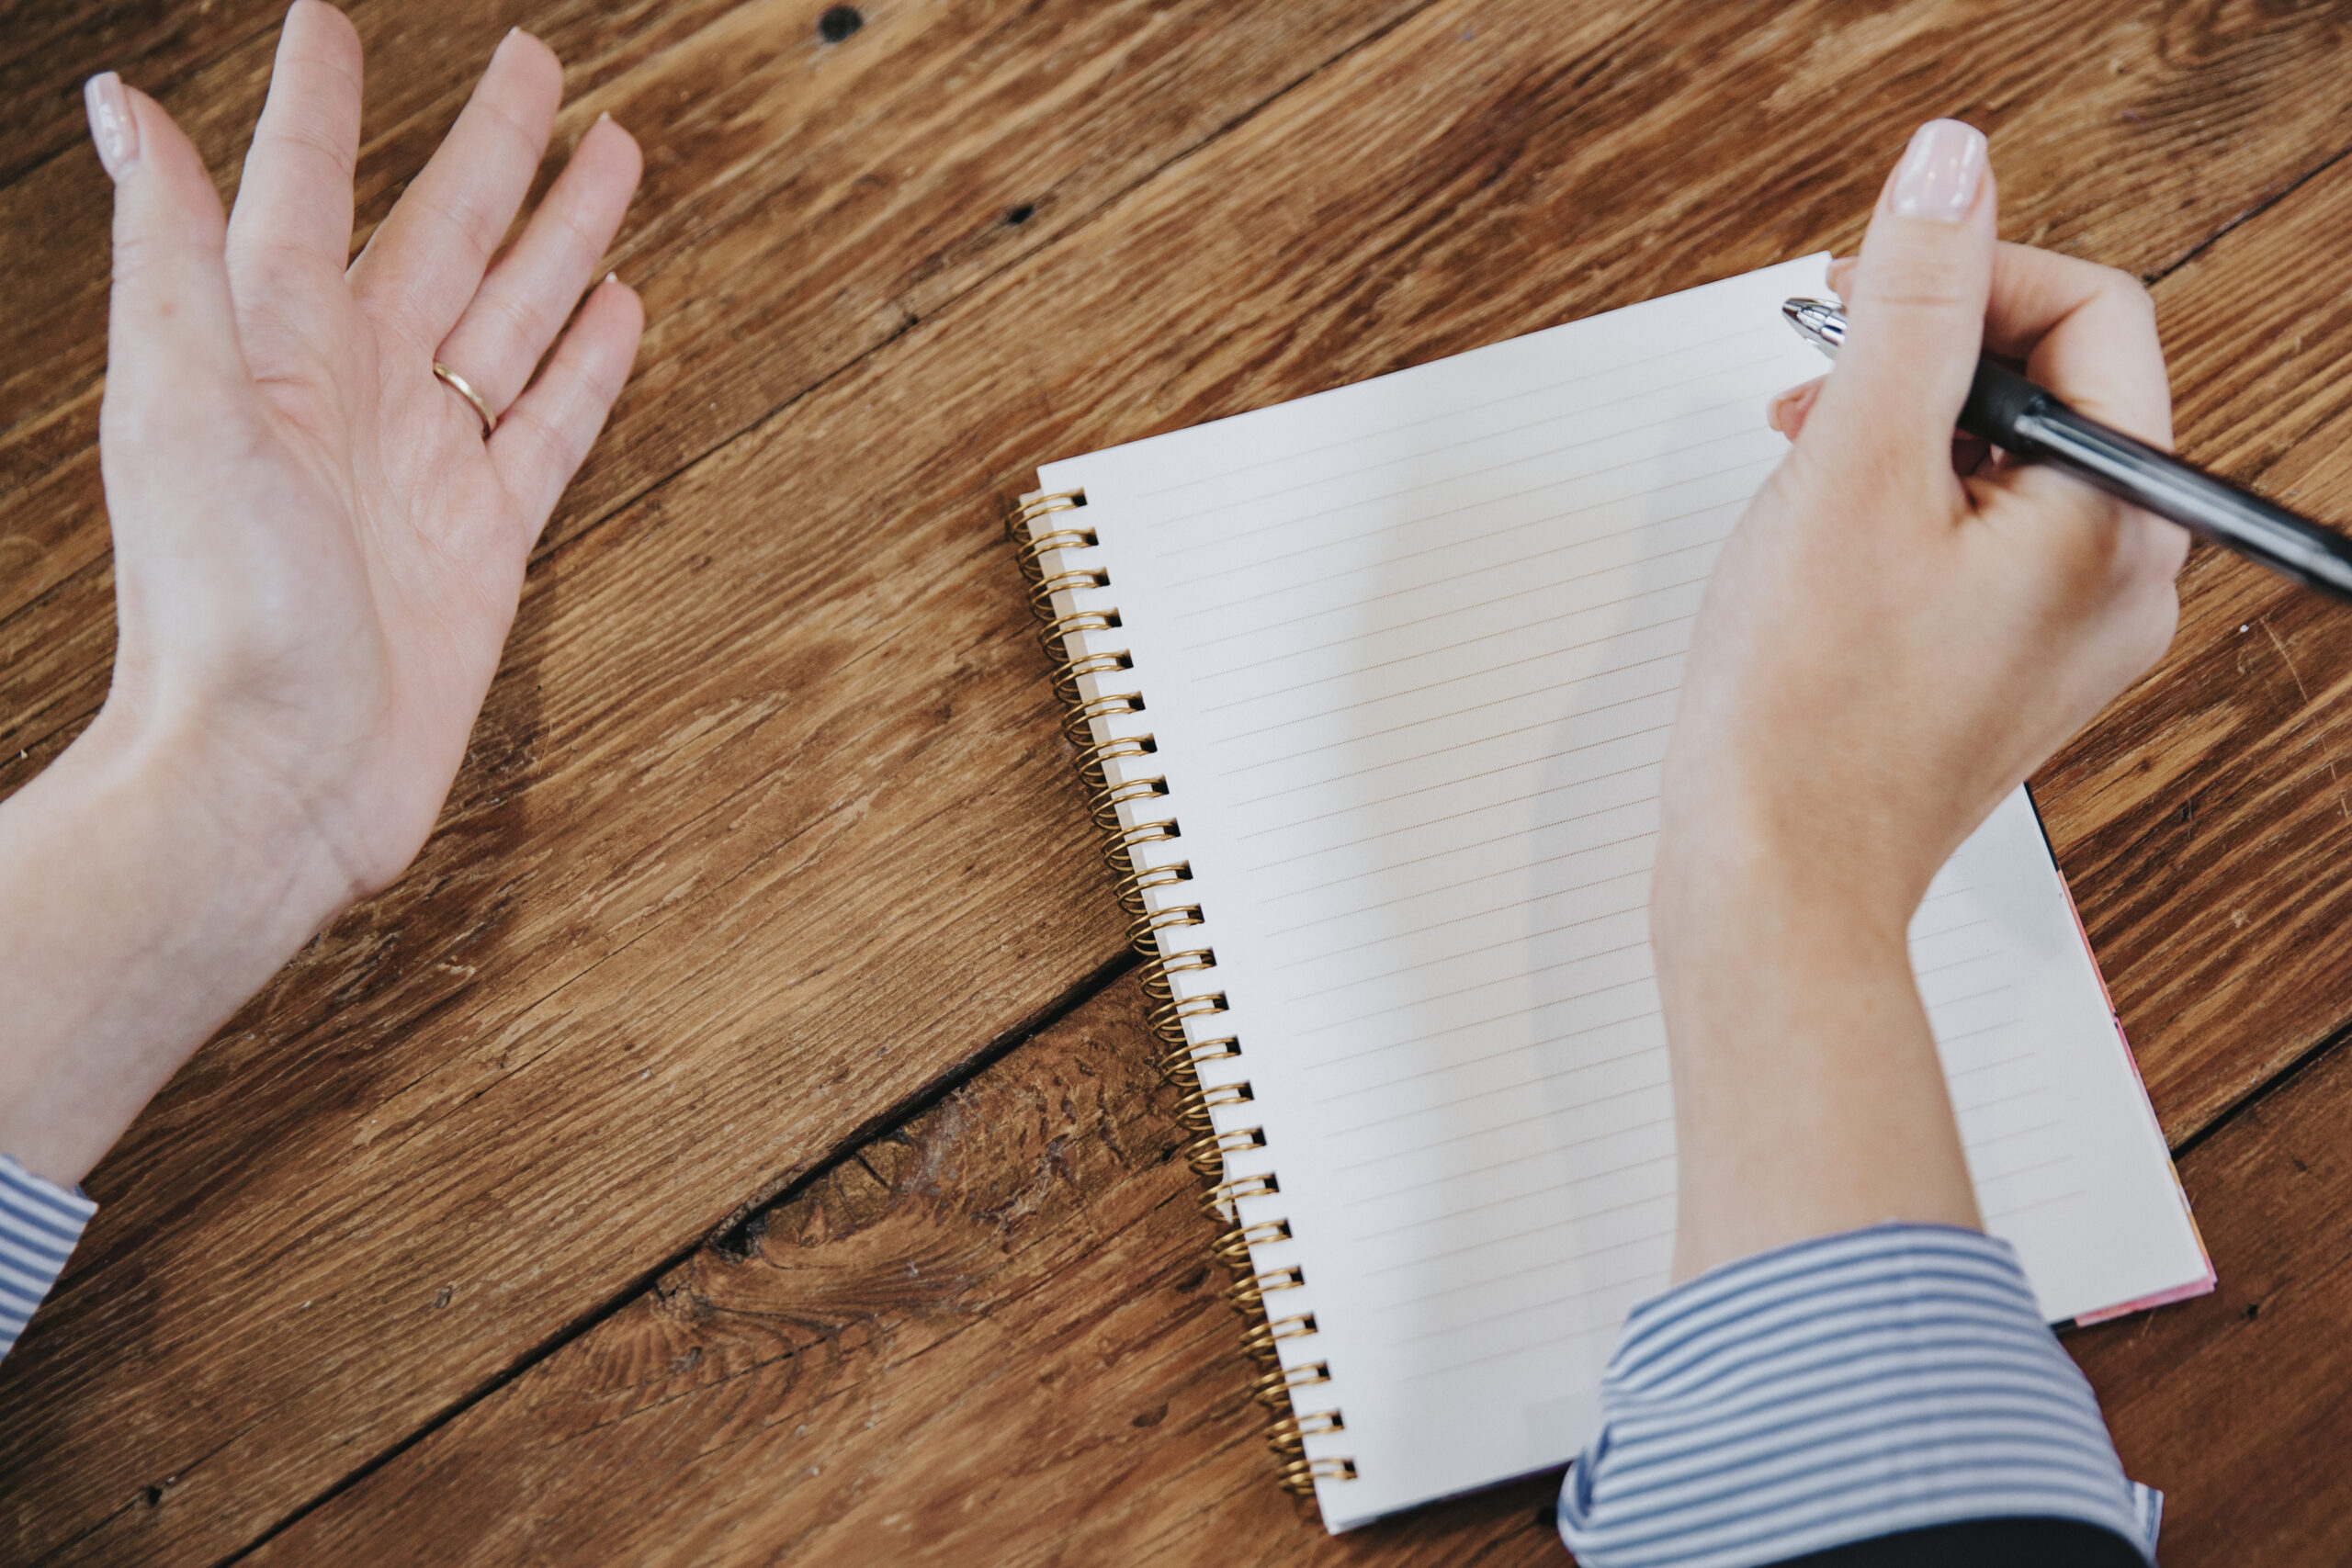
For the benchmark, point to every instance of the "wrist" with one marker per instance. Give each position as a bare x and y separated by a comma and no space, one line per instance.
169,889
226,826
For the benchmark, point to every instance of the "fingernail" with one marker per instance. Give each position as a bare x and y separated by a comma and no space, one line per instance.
1940,172
111,127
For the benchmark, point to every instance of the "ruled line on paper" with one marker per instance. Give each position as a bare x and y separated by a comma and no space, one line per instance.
1464,744
1516,1048
2043,1203
1301,520
1295,688
1471,811
1297,619
1453,715
1332,710
1285,584
1427,1108
1398,1152
1454,1211
1464,849
1487,1282
1612,377
1484,912
1448,784
1421,1259
1485,985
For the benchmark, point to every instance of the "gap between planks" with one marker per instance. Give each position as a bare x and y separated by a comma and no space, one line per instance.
734,1235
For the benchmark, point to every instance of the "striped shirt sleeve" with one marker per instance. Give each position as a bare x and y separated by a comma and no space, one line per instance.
40,1223
1838,1390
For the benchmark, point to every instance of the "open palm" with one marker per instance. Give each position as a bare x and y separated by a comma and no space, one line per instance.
319,547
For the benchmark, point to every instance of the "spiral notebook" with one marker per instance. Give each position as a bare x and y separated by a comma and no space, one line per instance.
1369,691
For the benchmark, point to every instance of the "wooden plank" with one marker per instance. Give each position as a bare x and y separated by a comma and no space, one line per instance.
993,1336
860,662
2205,819
803,201
2235,1404
989,1338
768,826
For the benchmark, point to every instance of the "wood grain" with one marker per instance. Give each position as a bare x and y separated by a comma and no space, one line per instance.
767,827
989,1337
2203,818
803,203
2234,1404
992,1337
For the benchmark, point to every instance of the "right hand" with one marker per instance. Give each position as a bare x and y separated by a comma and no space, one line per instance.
1888,647
1885,648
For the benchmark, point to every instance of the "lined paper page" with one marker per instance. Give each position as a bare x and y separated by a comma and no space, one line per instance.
1409,653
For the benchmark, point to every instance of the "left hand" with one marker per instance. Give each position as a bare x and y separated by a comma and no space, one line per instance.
317,552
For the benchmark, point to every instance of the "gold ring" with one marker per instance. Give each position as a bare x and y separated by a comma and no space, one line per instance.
458,385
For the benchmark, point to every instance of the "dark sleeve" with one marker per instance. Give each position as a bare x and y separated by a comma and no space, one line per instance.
1983,1543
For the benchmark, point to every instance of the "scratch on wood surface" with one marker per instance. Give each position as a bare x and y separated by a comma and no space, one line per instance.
2279,643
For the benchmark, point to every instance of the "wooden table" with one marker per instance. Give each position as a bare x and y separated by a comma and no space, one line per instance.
732,1141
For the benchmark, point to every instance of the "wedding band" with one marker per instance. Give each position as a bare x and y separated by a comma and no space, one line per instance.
458,385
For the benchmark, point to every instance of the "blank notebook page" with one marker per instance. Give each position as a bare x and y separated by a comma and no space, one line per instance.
1408,651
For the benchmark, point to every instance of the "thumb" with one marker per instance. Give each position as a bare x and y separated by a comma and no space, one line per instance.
171,340
1915,310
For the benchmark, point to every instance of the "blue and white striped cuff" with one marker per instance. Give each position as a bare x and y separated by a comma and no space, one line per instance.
1839,1389
40,1223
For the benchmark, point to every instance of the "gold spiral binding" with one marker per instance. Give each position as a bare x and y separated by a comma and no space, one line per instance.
1054,637
1182,1062
1018,519
1261,1340
1143,932
1042,555
1299,1476
1041,597
1081,717
1106,802
1157,984
1066,674
1221,1200
1288,1434
1029,556
1232,1248
1168,1019
1207,1153
1251,1292
1193,1107
1093,759
1274,1389
1125,839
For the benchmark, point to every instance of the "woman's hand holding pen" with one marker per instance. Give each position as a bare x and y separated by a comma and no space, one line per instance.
318,551
1897,635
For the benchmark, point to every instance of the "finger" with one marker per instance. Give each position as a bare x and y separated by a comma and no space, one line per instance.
541,441
524,300
171,337
292,223
1786,413
1841,275
427,260
1915,306
2087,333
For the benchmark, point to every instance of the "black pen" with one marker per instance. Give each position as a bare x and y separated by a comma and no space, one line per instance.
2014,414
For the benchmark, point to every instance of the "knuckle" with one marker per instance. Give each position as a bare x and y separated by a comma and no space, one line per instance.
2126,289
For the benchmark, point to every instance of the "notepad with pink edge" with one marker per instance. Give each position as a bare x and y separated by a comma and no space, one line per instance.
1370,690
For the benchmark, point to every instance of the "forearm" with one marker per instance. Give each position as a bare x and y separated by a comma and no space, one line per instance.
145,892
1808,1096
